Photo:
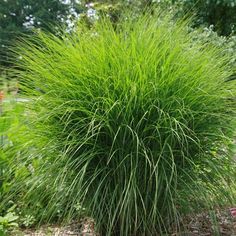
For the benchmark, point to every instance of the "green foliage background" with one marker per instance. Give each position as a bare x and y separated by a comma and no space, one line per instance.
19,17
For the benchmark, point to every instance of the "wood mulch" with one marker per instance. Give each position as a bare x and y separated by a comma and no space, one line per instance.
221,223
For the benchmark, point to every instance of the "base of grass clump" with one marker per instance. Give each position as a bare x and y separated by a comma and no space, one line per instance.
132,122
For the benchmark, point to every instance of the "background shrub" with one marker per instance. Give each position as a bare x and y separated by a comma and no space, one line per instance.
133,123
10,124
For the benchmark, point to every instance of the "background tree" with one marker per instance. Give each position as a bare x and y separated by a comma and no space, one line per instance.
219,13
19,17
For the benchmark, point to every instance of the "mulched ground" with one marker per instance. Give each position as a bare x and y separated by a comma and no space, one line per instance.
221,223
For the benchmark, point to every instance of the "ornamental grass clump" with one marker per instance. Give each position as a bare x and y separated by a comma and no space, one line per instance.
131,123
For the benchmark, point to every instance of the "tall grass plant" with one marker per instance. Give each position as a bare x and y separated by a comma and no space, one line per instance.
131,123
